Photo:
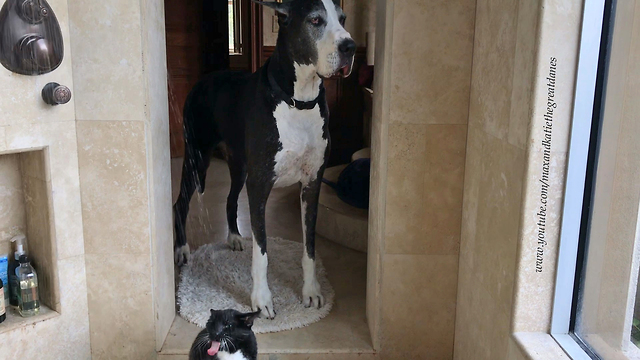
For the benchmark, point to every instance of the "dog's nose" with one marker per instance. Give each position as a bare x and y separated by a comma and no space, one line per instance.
347,47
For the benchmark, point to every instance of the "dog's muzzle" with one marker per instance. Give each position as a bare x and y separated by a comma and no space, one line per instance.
347,50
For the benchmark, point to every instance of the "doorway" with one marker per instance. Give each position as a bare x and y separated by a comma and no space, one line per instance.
239,35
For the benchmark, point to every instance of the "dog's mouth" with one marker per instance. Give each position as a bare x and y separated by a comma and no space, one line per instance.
343,72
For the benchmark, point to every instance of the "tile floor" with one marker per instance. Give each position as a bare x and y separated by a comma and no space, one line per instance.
343,333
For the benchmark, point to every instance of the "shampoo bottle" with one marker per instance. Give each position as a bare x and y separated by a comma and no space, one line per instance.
4,276
14,285
28,298
3,312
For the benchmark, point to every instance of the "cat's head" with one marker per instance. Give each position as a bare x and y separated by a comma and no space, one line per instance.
226,327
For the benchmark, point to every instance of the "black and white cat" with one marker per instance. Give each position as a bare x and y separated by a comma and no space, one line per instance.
228,336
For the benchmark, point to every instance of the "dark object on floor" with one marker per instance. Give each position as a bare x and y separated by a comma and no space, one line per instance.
228,335
353,183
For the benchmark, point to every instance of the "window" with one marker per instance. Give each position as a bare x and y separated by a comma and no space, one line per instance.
235,27
597,301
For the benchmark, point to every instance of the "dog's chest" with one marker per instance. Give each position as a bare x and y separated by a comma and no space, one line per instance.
303,146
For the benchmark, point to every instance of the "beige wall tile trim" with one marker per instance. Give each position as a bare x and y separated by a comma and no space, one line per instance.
380,135
537,346
558,39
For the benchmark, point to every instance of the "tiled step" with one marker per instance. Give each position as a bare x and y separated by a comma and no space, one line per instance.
339,221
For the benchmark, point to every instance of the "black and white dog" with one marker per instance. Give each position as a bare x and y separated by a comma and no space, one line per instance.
274,125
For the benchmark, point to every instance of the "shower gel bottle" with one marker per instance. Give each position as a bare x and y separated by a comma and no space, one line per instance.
29,300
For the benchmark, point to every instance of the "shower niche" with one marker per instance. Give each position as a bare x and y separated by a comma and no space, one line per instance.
25,207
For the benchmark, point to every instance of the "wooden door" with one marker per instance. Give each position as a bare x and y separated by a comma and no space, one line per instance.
197,43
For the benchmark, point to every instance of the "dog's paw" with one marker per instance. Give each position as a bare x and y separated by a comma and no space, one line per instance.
311,295
181,254
261,300
235,242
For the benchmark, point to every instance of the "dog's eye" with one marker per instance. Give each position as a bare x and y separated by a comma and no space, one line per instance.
342,20
316,20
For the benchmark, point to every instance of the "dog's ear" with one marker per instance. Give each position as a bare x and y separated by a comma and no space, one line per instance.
281,8
248,318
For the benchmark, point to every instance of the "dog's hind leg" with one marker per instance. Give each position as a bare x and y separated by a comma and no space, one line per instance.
309,194
258,191
194,170
238,172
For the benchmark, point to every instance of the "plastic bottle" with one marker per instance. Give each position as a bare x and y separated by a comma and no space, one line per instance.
28,298
3,311
14,286
4,276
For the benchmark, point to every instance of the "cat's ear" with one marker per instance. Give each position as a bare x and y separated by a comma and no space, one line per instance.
248,318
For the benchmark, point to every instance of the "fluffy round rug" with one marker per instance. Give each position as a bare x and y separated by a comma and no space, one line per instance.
218,278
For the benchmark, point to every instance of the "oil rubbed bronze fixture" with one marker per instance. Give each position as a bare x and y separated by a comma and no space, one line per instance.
30,37
56,94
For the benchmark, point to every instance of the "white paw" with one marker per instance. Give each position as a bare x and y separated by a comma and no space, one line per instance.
311,295
261,300
235,242
181,254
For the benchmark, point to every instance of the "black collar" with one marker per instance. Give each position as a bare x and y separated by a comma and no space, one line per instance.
300,105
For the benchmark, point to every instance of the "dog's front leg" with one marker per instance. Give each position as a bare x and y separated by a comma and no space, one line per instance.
309,194
258,192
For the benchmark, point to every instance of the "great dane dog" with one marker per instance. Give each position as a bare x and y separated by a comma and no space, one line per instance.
274,126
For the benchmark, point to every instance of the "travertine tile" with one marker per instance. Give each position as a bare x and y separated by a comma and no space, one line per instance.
3,140
41,239
539,346
113,173
424,197
12,209
514,352
535,316
67,335
34,164
109,79
482,329
523,76
432,49
472,177
120,307
493,61
407,162
443,188
20,96
498,218
418,306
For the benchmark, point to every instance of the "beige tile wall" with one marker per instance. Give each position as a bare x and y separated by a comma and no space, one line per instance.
12,210
499,291
419,142
122,120
27,124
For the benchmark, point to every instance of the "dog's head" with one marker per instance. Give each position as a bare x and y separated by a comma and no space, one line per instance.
313,33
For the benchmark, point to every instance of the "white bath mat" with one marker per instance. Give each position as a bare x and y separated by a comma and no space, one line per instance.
218,278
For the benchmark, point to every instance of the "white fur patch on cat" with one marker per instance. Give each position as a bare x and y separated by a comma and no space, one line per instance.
303,146
238,355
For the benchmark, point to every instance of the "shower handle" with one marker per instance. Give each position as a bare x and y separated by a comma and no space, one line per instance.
56,94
